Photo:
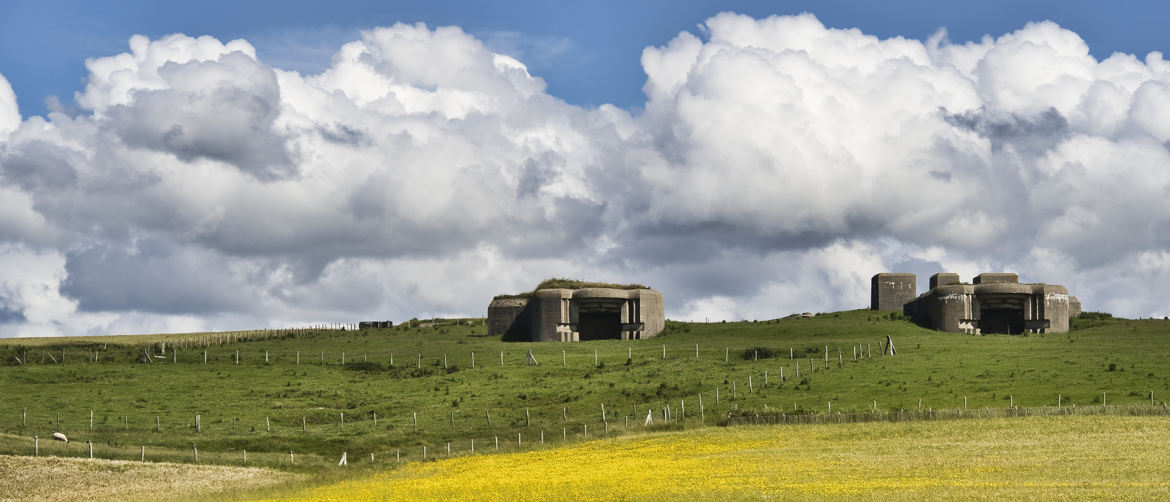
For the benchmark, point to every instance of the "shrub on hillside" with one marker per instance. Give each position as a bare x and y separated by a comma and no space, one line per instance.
752,353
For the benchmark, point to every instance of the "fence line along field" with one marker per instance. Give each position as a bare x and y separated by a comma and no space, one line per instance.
298,400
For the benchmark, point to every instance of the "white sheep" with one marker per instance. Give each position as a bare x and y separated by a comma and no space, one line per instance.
60,437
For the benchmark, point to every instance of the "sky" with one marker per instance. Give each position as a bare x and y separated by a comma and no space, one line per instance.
234,165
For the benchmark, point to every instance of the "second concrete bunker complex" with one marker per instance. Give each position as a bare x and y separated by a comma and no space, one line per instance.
571,311
992,303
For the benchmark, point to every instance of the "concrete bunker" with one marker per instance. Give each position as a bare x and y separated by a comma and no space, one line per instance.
570,311
992,303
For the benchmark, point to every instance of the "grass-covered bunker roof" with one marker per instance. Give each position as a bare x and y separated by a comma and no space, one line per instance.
561,283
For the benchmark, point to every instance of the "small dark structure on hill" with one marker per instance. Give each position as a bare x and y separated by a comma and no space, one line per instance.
570,311
992,303
375,324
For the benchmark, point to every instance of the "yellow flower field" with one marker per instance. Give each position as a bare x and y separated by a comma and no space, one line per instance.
1098,457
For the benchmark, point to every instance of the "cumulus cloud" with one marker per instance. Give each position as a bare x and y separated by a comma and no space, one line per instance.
777,165
9,112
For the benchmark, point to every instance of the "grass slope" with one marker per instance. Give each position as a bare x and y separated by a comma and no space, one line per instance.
258,406
56,478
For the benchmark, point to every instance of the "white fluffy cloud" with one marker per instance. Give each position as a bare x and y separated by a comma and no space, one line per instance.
777,165
9,112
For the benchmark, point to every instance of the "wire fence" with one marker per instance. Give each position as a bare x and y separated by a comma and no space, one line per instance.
780,417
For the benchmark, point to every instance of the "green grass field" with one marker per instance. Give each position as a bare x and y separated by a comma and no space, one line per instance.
258,406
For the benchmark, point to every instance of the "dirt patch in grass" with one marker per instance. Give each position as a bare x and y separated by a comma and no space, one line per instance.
58,478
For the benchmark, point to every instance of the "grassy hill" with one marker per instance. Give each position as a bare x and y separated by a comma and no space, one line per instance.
271,408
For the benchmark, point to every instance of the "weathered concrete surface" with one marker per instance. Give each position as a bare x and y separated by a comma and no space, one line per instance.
891,291
996,278
995,303
570,315
943,279
505,314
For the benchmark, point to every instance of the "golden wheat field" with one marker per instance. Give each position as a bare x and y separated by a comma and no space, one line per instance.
1099,457
59,478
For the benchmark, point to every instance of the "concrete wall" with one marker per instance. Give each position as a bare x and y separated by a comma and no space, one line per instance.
1074,307
946,308
652,311
507,316
943,279
548,313
958,307
1056,307
996,278
552,314
892,291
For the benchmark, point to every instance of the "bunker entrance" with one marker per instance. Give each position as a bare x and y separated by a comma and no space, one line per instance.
1003,321
599,325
